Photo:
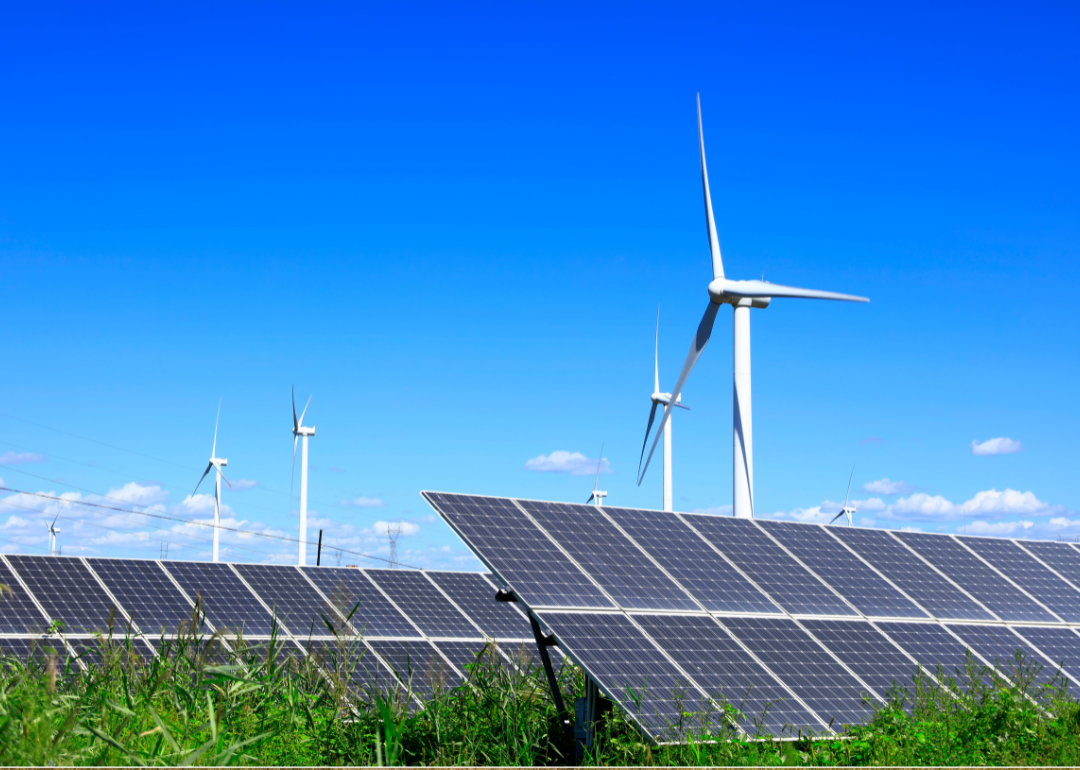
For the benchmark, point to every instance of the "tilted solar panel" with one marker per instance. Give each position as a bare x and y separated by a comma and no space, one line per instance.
1062,558
475,595
18,613
33,648
143,589
418,598
697,566
999,646
351,662
418,664
70,594
870,593
1028,573
769,566
1060,646
866,651
222,596
92,652
931,645
974,576
357,598
297,603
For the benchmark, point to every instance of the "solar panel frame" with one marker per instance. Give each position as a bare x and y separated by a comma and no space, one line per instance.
50,579
19,613
375,615
498,620
147,594
423,603
1031,575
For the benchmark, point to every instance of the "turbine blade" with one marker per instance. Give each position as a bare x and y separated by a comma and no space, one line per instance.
710,223
766,289
846,494
599,463
701,339
680,406
208,467
295,422
648,430
54,519
837,516
213,452
305,410
226,480
656,359
590,499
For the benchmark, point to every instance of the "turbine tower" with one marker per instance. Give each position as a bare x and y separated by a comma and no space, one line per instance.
299,431
53,532
217,463
660,398
741,295
597,494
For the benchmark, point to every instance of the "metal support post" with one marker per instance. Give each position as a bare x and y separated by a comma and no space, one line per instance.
542,643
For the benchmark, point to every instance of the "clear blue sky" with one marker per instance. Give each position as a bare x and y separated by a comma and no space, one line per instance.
453,226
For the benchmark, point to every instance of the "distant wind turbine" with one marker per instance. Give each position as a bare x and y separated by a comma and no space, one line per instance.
301,431
53,532
217,463
741,295
847,509
597,494
660,398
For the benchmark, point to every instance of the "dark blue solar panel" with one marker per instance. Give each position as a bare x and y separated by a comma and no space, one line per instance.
628,668
18,613
1024,570
514,548
768,565
33,650
295,601
350,661
864,650
1060,646
472,592
931,645
805,667
92,652
910,574
836,565
226,601
998,645
463,654
729,674
691,561
972,574
423,603
69,593
1060,557
418,665
351,592
609,557
146,593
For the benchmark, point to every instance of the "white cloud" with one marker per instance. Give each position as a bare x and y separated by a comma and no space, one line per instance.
574,463
995,446
138,494
19,458
719,510
364,502
1010,501
406,527
996,528
241,484
886,486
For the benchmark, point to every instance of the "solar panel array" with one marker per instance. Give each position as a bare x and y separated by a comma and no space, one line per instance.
798,626
396,627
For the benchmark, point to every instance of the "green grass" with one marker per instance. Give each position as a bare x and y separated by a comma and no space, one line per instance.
198,704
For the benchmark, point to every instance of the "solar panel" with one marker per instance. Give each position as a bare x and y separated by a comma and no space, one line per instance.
624,571
777,573
691,561
729,674
512,545
475,595
993,591
418,665
628,667
18,613
297,603
931,645
910,574
69,593
1026,571
92,651
33,649
999,646
863,649
463,654
351,662
418,598
357,598
806,668
847,574
1059,645
1062,558
146,593
226,601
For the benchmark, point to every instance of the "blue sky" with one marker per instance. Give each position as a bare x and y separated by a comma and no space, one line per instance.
454,225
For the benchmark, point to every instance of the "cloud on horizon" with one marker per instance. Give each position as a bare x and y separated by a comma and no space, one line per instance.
364,502
886,486
995,446
560,461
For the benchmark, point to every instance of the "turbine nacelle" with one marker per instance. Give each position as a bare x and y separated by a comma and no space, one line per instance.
303,430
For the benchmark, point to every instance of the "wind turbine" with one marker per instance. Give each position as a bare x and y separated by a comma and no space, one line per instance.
300,430
217,463
53,532
847,509
741,295
597,494
660,398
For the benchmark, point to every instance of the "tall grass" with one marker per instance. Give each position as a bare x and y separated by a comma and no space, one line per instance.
202,702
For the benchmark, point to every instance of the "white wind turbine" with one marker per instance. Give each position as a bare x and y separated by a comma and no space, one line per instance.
301,431
53,532
597,494
217,463
660,398
741,295
847,510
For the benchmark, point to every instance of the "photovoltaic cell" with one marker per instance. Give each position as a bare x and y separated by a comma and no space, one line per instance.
69,593
476,597
691,561
728,673
351,661
463,654
92,651
836,565
18,613
151,600
348,590
805,667
995,593
940,598
33,649
1024,570
1059,645
226,601
418,665
421,601
296,602
863,649
514,546
626,573
1060,557
768,565
931,645
999,646
629,668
